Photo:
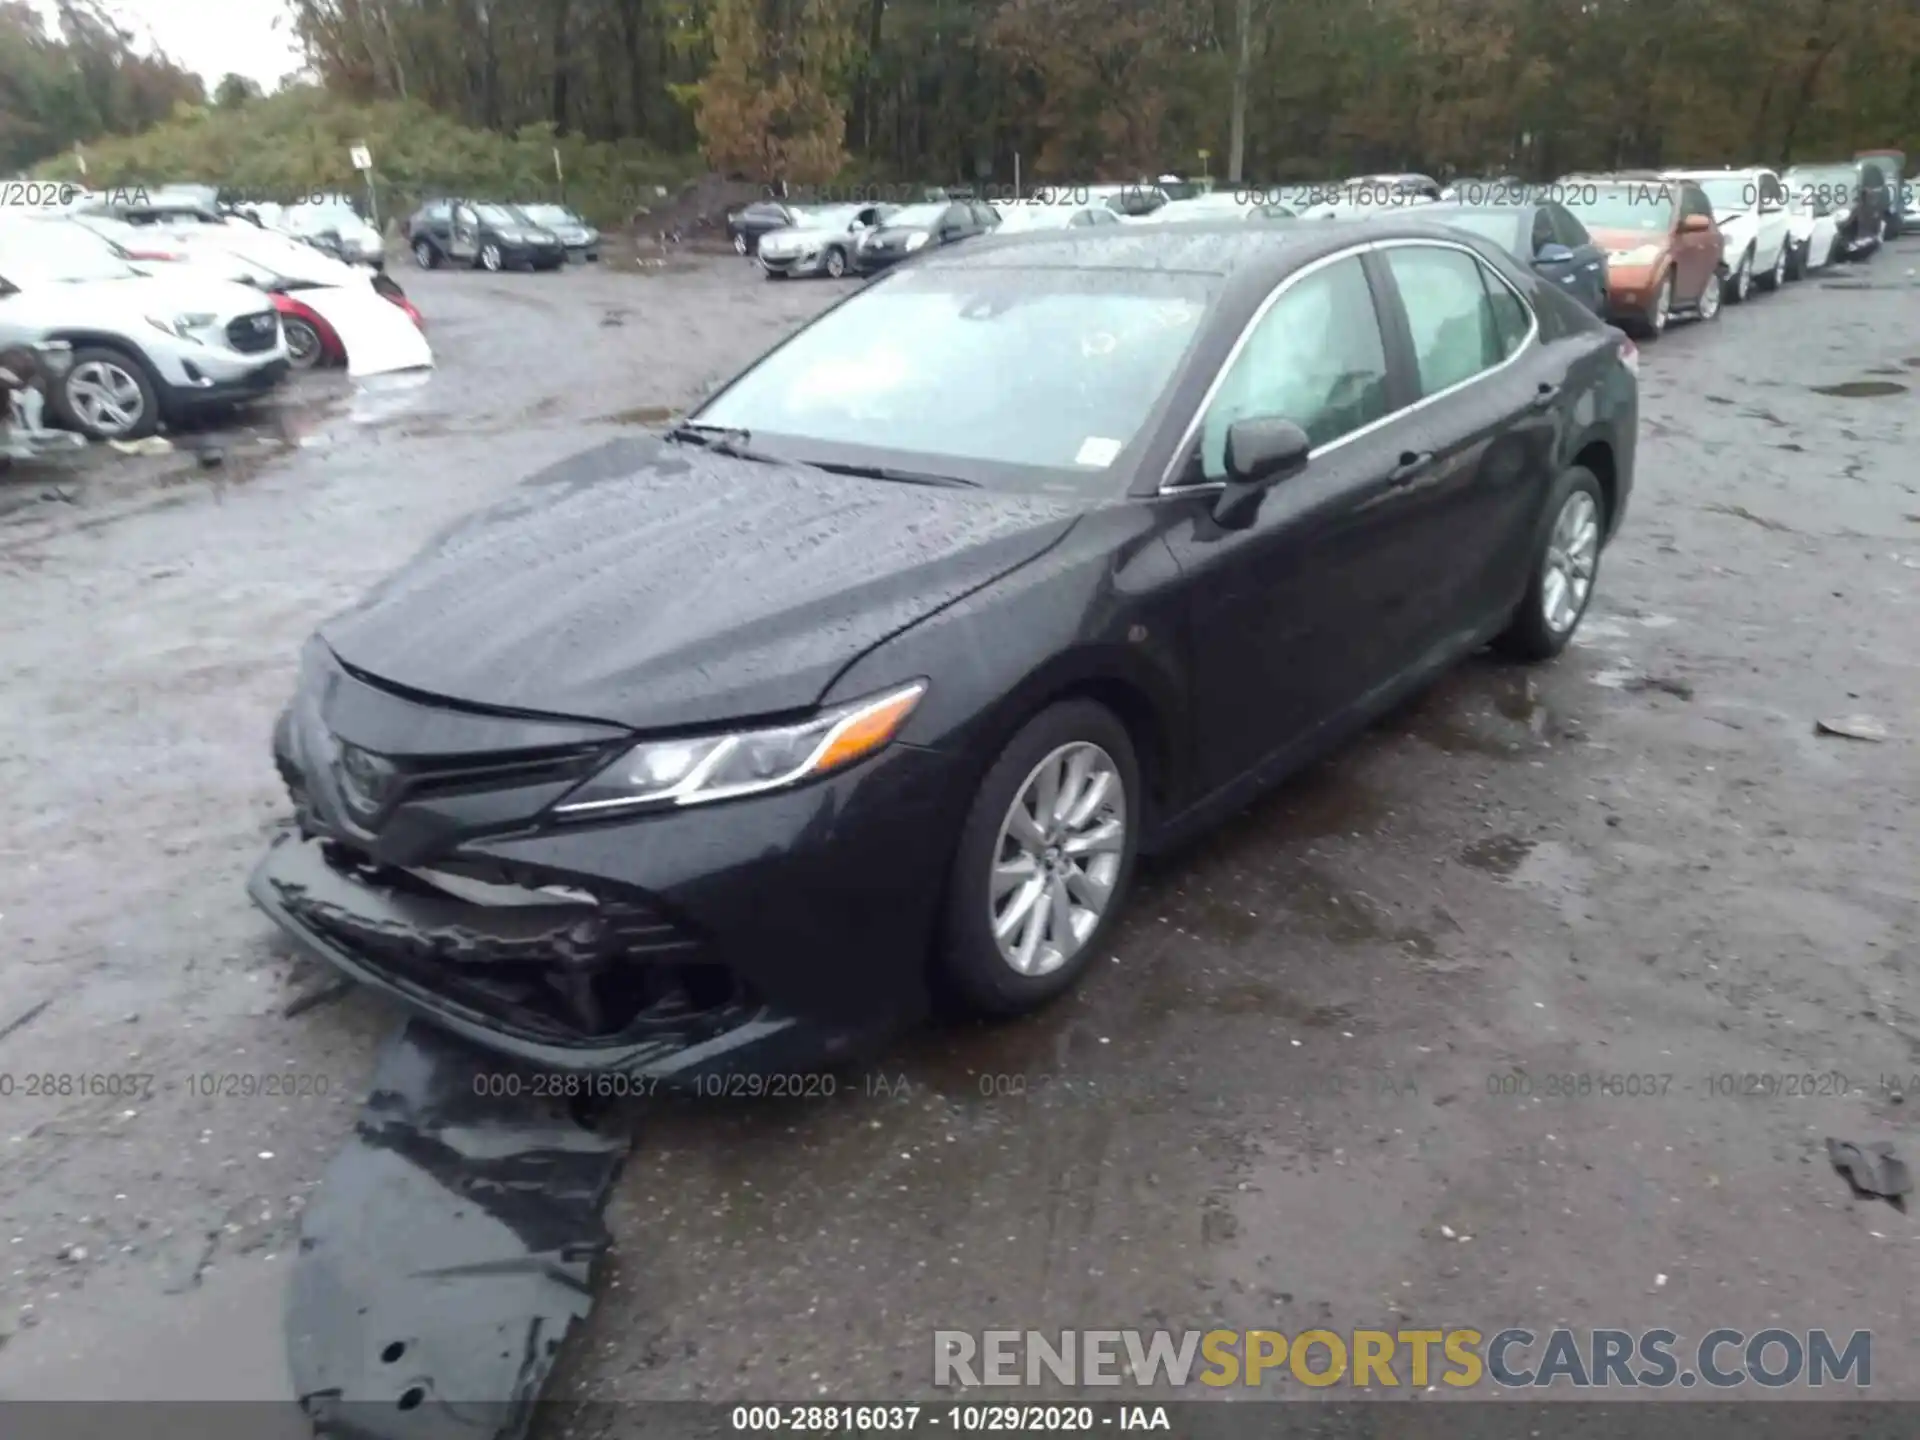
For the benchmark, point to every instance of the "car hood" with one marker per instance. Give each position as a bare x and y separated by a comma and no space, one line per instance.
657,585
119,305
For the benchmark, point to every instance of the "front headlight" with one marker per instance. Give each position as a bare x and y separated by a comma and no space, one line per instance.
916,240
696,769
1639,255
181,326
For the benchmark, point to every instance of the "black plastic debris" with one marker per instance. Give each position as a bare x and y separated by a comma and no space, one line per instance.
449,1251
1873,1170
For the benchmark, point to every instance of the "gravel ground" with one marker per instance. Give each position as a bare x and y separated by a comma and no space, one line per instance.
1284,1100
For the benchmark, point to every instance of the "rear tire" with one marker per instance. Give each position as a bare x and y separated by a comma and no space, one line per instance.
304,350
425,255
1797,260
984,975
1653,323
1541,627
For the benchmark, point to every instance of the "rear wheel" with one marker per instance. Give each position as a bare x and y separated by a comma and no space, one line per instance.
836,262
424,255
739,244
1797,260
1564,571
1044,860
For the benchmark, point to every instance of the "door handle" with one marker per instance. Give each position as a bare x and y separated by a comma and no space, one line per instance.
1544,397
1410,468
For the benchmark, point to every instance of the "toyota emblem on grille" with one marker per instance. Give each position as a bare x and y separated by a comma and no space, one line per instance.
366,780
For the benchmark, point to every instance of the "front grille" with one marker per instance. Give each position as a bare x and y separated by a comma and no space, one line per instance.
575,973
252,334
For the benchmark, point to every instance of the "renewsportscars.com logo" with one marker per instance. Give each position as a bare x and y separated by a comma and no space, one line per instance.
1514,1358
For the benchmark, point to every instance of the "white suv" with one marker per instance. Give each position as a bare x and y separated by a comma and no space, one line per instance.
1750,207
145,349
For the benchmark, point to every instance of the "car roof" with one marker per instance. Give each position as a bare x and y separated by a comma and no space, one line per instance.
1214,247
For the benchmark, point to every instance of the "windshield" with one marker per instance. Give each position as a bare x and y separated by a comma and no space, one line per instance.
324,216
1620,207
549,214
918,217
498,215
44,253
1028,368
1181,189
1502,227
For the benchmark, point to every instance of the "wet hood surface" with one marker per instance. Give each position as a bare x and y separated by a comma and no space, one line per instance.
658,585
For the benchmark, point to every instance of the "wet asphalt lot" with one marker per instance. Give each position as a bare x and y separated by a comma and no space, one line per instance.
1269,1099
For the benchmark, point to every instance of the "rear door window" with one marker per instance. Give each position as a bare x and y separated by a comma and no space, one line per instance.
1567,227
1456,334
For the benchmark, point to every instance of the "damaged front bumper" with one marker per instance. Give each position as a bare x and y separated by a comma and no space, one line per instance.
456,964
774,934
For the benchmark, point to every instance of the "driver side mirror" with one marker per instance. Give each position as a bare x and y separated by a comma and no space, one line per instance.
1553,253
1695,224
1260,453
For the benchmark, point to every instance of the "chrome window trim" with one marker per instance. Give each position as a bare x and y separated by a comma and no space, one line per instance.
1168,487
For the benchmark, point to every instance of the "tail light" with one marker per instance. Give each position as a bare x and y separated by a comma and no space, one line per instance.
1630,355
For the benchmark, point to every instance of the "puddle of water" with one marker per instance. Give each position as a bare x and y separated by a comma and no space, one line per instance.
1861,389
221,1340
381,398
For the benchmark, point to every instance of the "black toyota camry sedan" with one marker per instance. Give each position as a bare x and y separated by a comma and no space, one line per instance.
738,746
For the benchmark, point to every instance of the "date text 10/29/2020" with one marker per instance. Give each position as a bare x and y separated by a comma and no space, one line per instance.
823,1418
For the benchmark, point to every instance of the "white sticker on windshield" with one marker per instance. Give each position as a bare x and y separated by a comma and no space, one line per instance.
1097,450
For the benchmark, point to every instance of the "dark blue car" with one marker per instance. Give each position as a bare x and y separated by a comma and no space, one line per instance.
1543,234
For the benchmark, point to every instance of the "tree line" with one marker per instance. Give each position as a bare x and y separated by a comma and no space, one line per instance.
810,89
75,76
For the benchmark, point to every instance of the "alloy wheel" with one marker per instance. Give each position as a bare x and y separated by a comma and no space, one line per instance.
1711,296
739,244
423,255
1780,268
1057,858
105,398
836,264
1663,305
490,256
303,342
1573,552
1743,277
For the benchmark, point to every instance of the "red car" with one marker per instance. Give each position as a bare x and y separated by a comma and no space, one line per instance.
311,341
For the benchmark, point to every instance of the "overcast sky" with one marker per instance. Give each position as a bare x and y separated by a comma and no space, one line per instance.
252,37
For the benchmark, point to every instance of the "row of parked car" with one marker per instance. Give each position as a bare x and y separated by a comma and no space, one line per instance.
1636,247
142,309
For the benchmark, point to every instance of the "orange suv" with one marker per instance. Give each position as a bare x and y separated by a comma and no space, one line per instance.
1663,249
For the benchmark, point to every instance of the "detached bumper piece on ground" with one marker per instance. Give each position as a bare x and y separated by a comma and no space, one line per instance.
448,1253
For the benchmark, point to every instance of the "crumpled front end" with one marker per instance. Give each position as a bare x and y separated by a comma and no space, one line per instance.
719,938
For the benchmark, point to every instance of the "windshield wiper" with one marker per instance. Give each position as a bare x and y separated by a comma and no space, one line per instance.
719,439
888,472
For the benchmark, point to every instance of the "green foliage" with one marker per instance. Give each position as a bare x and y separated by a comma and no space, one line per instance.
296,142
77,81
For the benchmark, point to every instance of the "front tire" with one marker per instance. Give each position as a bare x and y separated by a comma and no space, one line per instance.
836,263
1777,276
490,258
1741,285
1044,861
108,395
1711,296
739,244
1565,569
1659,310
424,254
303,342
